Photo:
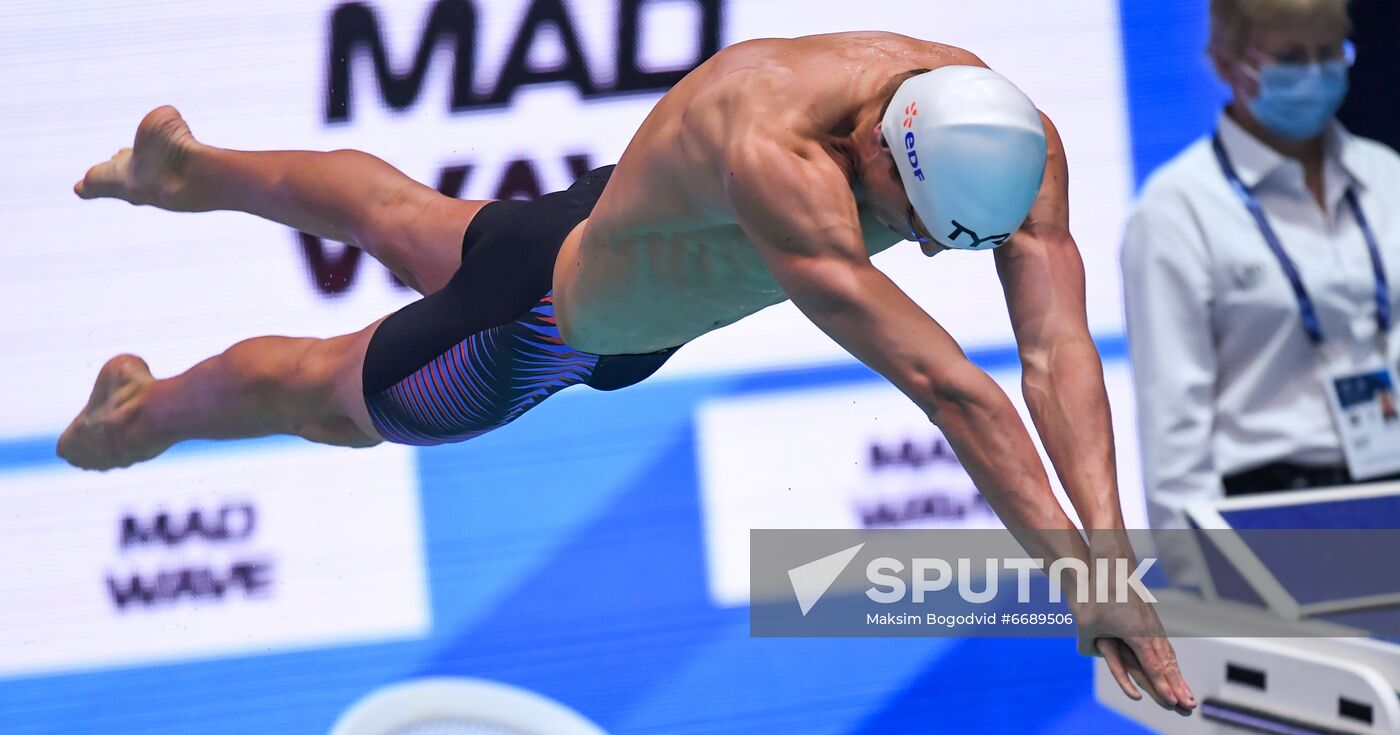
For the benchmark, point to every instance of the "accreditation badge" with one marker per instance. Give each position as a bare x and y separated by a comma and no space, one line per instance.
1366,410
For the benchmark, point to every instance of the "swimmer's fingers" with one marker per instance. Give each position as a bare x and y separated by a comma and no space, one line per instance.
106,179
1112,655
1127,668
1157,660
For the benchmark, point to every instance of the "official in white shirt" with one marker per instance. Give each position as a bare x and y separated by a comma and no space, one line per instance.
1235,379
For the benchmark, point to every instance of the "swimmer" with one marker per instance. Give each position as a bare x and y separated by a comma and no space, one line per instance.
770,173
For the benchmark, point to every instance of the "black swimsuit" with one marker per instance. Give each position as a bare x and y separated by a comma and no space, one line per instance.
485,349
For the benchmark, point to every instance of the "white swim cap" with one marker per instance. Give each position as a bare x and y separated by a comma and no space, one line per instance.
970,149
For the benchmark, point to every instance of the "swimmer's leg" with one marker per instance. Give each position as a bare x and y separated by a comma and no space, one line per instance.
260,387
346,196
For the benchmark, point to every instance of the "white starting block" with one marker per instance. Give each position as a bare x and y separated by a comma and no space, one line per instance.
1299,682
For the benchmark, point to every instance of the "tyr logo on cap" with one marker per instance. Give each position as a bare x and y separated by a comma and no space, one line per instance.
995,240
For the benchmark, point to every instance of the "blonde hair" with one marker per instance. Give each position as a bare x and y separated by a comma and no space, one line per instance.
1231,21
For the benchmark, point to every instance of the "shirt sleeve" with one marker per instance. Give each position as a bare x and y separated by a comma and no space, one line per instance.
1168,299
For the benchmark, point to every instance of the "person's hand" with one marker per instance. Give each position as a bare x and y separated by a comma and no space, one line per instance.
1147,662
1131,639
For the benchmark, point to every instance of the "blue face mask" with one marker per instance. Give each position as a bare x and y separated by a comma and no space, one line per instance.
1296,100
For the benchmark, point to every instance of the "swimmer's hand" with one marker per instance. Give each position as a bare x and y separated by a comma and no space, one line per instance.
1133,643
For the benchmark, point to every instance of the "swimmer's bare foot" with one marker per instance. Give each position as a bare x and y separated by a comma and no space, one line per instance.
154,170
107,433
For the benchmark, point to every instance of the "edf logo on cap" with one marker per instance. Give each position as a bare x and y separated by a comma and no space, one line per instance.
973,153
911,110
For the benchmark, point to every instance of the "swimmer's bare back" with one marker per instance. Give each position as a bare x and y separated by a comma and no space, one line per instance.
665,256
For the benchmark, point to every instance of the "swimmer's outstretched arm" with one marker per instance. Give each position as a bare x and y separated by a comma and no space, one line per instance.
805,224
1042,276
346,196
796,207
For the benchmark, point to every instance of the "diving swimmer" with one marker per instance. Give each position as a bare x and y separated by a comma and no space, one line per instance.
772,172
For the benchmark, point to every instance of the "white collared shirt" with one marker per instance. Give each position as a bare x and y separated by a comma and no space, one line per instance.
1225,375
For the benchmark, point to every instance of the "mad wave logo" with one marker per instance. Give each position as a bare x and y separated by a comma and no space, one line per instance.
356,31
977,242
910,112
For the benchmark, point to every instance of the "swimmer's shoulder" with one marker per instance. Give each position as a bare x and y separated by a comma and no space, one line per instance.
791,91
901,51
883,48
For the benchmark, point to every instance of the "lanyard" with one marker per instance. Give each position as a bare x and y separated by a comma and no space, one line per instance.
1305,303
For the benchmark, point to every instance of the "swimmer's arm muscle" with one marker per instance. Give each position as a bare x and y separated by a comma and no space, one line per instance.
800,214
1042,276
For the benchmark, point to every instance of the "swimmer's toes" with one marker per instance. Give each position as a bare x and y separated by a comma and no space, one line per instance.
109,179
